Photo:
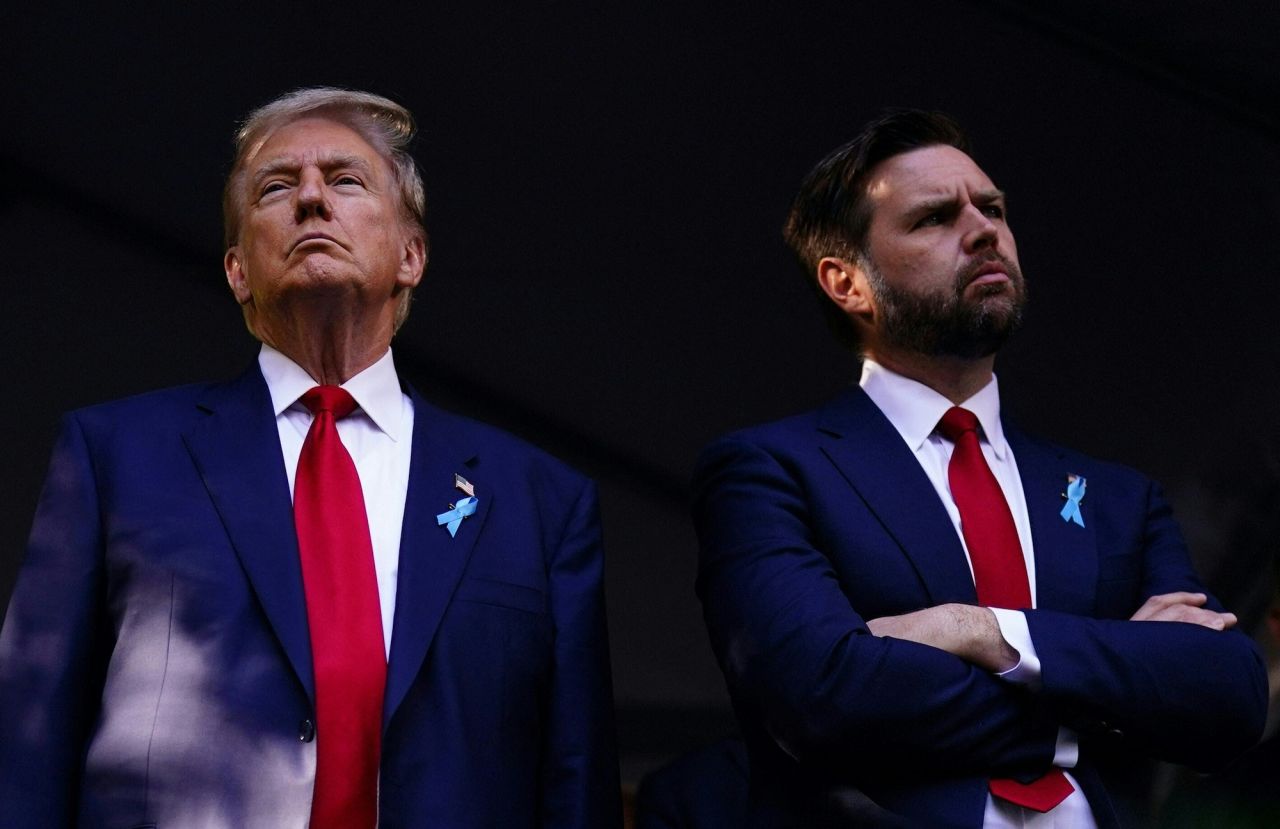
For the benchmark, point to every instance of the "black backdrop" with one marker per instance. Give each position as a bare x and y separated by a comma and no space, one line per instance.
606,187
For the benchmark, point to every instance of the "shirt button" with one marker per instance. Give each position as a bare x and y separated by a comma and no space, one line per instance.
306,731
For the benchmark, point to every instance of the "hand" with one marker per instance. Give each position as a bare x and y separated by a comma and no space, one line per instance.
1183,607
962,630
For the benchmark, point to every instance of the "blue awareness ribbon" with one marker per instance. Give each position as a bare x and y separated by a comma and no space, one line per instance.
1071,510
453,518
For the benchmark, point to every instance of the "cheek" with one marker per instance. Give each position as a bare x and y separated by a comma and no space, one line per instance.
1009,246
369,222
259,235
918,269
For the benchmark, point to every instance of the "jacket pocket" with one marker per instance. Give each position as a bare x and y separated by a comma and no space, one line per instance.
502,594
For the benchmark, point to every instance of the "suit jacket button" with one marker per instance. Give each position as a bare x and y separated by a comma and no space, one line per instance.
306,731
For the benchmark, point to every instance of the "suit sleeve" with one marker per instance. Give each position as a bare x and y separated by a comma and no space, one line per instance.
1186,693
580,771
51,656
798,654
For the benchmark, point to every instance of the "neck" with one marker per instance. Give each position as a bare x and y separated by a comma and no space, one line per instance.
955,378
332,348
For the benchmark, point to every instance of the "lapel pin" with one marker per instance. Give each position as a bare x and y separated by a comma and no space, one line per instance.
452,519
1074,495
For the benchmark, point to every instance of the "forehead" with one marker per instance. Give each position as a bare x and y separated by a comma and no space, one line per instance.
312,140
927,173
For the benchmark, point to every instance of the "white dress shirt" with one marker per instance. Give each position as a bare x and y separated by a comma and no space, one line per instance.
378,435
914,409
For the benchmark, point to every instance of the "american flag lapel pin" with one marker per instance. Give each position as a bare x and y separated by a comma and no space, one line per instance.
452,519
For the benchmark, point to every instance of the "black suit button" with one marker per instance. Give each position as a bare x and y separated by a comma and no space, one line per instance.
306,731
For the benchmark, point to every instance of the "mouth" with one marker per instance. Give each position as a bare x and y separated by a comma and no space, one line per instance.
314,240
991,272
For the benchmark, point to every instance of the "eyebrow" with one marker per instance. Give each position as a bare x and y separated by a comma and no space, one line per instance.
929,205
289,164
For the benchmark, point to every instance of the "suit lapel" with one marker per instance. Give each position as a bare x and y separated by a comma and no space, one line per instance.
1066,554
236,448
431,561
872,457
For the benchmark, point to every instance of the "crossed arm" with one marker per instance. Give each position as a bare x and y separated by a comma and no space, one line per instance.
919,690
971,632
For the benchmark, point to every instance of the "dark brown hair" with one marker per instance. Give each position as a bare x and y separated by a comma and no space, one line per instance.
830,214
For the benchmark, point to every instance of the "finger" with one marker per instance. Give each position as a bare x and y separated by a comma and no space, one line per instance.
1155,604
1181,597
879,627
1217,621
1195,616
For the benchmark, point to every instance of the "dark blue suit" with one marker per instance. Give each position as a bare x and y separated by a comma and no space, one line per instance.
812,525
155,667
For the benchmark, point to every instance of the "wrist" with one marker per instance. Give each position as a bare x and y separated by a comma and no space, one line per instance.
985,646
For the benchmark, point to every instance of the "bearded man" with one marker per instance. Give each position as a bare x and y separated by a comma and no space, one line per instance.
922,618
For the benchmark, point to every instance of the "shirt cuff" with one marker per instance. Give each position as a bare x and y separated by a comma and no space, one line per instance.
1066,753
1013,627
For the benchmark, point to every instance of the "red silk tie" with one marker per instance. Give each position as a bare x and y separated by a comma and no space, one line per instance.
344,618
999,570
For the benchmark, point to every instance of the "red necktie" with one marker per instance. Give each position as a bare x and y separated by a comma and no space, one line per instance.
999,571
344,618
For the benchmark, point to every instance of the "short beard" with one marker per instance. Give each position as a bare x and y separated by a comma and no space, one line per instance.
945,324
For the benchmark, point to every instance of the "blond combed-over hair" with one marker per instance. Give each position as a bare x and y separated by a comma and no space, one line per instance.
388,127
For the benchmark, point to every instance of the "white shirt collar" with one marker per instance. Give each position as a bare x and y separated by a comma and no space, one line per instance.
376,389
914,409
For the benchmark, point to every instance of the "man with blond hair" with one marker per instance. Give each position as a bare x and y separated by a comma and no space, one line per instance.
306,597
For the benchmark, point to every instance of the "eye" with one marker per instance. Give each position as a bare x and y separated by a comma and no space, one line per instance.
347,178
272,187
929,220
993,211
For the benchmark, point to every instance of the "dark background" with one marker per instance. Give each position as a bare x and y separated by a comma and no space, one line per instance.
606,187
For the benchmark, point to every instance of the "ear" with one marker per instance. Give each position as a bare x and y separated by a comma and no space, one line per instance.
413,261
234,267
846,284
1273,622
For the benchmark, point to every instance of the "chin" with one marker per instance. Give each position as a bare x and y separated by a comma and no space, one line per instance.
321,269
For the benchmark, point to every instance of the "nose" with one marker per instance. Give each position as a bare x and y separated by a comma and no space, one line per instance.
981,233
312,197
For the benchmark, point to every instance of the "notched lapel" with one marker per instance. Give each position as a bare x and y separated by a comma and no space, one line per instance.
1066,554
236,448
871,455
431,561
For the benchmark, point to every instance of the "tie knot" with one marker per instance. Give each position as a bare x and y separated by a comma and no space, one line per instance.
333,399
956,422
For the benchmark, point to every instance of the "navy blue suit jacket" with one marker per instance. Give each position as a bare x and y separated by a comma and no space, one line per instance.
812,525
155,667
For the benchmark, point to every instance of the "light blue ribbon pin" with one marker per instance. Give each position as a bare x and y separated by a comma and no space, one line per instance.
453,518
1075,491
